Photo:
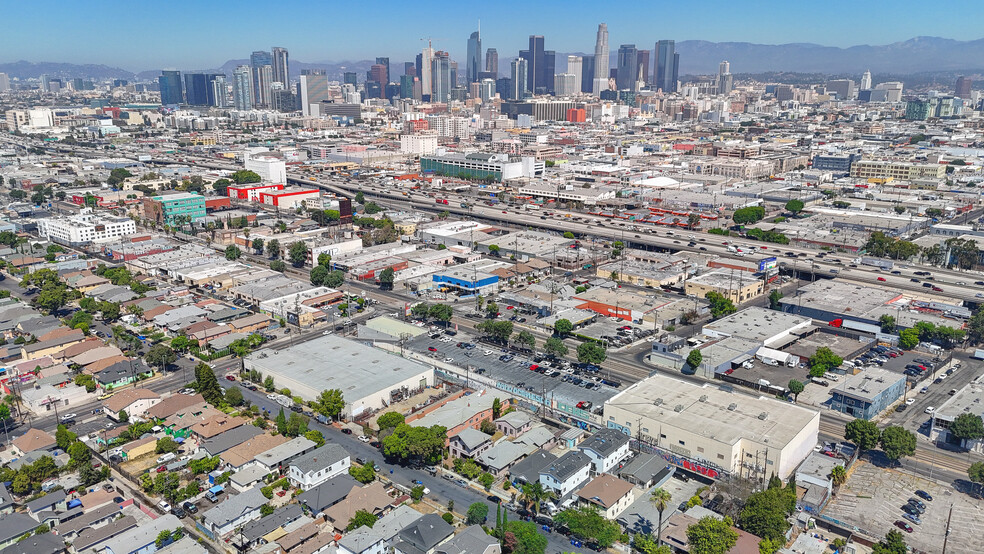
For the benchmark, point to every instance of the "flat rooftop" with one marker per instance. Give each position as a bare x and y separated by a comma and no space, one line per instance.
713,412
758,324
333,362
835,296
868,384
969,399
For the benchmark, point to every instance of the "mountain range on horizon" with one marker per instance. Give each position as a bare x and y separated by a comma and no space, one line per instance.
916,55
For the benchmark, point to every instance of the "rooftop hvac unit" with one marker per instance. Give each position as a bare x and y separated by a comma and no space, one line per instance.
679,408
658,402
732,407
703,398
763,415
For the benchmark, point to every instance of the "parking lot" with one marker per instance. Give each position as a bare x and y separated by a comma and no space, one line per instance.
485,359
872,500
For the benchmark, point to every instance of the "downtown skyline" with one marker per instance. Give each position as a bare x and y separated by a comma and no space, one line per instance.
317,40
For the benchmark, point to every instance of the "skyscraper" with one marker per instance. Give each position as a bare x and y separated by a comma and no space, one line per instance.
424,67
643,72
280,66
866,80
492,61
377,75
600,61
536,66
725,80
409,69
385,62
170,82
519,72
258,60
242,88
350,78
313,89
963,87
4,82
220,92
549,69
474,60
667,73
196,89
628,67
574,67
587,74
440,77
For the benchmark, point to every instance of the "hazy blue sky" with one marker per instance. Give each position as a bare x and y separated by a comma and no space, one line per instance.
139,35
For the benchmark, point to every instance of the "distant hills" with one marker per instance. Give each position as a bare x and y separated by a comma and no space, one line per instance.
916,55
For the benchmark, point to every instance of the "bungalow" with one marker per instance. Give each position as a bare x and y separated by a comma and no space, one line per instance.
606,448
231,513
424,536
135,402
121,374
139,447
228,439
319,465
469,443
302,535
371,498
503,455
674,535
375,540
89,520
6,502
608,493
142,539
646,470
92,355
528,469
56,500
45,543
51,347
216,425
247,477
250,324
566,473
94,539
33,439
473,540
328,494
243,454
259,532
14,526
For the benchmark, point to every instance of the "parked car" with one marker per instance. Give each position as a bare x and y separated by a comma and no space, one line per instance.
924,495
903,526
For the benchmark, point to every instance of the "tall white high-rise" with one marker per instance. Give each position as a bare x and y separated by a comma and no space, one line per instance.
314,89
220,91
242,88
280,65
426,57
601,61
4,82
866,80
575,66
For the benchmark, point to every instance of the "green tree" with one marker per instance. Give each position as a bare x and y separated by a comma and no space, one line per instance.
863,433
774,297
590,353
588,523
273,248
166,445
486,479
416,443
160,355
330,403
390,420
234,396
526,339
893,543
967,426
532,494
278,265
232,252
720,306
386,278
908,338
645,544
660,498
257,245
364,474
568,235
417,493
796,387
319,274
896,442
976,472
297,254
794,206
751,214
711,536
496,408
563,327
694,359
477,513
440,312
245,176
887,323
324,259
555,346
492,309
362,518
360,198
765,512
838,475
524,538
207,385
823,360
268,384
79,454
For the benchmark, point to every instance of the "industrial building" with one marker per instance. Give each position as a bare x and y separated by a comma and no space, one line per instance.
85,228
712,431
868,393
370,379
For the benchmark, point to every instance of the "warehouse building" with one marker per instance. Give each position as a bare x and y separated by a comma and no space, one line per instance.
712,431
370,379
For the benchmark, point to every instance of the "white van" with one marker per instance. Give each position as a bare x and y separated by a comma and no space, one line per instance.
166,458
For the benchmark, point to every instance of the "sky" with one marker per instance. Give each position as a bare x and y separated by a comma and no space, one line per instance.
142,35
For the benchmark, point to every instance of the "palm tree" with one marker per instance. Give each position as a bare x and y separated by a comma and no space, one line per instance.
534,494
838,475
660,498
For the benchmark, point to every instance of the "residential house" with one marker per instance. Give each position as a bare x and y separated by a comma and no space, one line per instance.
376,539
231,513
566,473
459,413
528,469
33,439
674,535
327,494
142,539
608,493
302,535
314,468
135,402
13,526
278,457
538,437
243,454
228,439
247,477
606,448
6,501
51,347
139,447
500,457
121,373
91,519
216,425
56,500
423,536
371,498
646,470
514,424
473,540
255,533
469,443
90,355
45,543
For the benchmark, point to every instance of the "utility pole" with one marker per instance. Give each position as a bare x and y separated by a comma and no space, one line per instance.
946,533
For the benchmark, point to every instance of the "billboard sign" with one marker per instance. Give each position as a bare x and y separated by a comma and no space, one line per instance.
768,263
